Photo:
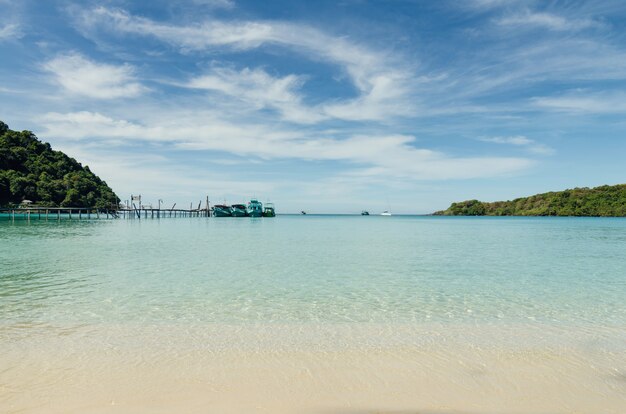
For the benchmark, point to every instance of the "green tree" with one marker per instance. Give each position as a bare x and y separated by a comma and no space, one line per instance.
30,169
604,201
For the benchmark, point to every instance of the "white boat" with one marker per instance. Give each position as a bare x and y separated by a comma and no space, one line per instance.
385,213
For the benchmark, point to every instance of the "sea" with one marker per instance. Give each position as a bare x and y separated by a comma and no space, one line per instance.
315,313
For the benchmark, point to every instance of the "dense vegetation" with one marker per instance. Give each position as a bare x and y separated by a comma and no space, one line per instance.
31,170
604,201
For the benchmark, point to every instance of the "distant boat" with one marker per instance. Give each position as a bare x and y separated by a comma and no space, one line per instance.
239,210
222,210
255,208
385,213
269,210
303,213
365,213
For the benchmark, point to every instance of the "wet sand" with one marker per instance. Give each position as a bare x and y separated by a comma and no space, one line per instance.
327,370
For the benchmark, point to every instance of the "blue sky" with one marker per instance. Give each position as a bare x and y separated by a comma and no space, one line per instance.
326,106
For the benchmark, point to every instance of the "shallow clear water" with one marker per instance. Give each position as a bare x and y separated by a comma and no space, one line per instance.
499,314
314,269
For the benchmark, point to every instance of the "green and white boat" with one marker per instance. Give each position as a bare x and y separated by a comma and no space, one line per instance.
255,208
222,210
239,210
269,210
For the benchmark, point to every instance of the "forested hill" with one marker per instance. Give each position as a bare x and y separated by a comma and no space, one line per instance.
604,201
31,170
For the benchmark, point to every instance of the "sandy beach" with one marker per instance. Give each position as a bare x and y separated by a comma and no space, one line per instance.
342,370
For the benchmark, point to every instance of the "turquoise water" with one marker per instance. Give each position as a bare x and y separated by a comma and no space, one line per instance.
399,313
322,269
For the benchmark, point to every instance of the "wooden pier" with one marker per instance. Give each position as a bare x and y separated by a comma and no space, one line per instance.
155,213
87,213
129,210
57,213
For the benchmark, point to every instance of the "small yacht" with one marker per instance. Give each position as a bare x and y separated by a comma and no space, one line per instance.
255,208
239,210
385,213
222,210
365,213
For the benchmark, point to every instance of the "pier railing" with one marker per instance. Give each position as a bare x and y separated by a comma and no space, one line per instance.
138,213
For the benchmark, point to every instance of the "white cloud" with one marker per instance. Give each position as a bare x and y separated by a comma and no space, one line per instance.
515,140
78,125
81,76
384,99
241,35
259,89
379,155
216,4
520,141
589,103
546,20
490,3
10,31
542,61
157,177
382,80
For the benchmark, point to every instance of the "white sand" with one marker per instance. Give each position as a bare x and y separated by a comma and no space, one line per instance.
336,370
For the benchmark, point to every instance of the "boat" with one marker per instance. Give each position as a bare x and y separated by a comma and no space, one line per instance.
385,213
269,210
222,210
365,213
303,213
255,208
239,210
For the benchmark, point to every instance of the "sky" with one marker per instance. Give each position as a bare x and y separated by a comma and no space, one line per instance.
323,106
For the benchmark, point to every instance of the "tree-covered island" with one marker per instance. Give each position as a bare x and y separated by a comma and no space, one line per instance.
604,201
32,170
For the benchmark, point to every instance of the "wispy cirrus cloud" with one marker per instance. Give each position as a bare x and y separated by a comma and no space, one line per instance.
259,89
584,102
528,18
81,76
521,141
262,90
380,155
380,78
503,70
153,173
10,31
487,4
215,4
